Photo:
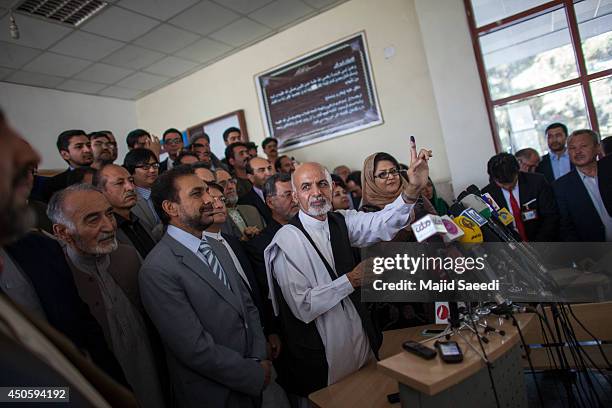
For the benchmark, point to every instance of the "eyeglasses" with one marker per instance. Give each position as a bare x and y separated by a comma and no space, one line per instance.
224,182
220,198
385,174
148,166
173,141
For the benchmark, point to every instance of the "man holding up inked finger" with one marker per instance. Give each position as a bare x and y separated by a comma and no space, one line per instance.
312,274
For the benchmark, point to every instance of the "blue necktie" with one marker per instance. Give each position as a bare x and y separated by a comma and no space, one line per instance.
213,262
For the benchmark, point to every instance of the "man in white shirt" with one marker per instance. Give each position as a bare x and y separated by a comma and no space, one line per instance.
312,277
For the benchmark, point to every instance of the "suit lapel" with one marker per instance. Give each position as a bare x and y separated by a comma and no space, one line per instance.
523,189
584,196
498,196
190,260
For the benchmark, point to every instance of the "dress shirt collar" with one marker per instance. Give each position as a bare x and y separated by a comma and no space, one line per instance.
312,222
554,157
214,235
584,176
143,192
259,193
189,241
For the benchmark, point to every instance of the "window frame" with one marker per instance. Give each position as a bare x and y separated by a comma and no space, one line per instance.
583,79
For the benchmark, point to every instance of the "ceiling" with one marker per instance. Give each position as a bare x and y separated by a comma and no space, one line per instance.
133,47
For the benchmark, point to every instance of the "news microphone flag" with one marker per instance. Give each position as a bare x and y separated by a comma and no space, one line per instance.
492,203
442,312
474,216
453,232
505,216
427,227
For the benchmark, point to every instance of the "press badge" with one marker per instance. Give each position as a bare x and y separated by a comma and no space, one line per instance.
529,215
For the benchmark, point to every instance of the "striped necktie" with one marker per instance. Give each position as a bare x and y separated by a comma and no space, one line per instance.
212,261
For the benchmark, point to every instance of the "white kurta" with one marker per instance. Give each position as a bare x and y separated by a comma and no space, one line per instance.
310,292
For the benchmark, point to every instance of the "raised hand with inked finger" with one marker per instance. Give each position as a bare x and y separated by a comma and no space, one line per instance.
417,173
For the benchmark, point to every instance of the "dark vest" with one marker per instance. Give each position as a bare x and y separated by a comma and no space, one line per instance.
302,365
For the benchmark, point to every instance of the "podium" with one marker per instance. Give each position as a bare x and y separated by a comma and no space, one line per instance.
429,383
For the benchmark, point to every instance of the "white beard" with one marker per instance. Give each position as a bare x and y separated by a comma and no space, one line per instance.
319,211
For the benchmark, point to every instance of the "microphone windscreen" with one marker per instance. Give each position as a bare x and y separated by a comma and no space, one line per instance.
471,231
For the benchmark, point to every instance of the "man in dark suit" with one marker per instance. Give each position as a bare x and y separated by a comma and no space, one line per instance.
258,170
173,145
527,196
604,176
117,185
237,157
191,289
75,148
277,191
556,162
584,216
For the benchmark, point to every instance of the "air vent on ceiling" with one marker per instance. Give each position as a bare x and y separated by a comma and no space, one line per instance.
71,12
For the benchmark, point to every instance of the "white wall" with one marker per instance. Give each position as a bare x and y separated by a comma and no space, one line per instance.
41,114
403,84
457,89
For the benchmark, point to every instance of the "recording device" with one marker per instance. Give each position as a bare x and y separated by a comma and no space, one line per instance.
449,351
419,349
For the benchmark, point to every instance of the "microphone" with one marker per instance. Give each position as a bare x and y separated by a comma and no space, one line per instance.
471,231
482,209
475,202
427,227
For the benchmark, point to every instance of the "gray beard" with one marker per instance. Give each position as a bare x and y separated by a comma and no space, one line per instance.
232,201
317,212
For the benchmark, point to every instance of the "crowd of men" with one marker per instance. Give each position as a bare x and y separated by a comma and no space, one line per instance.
200,281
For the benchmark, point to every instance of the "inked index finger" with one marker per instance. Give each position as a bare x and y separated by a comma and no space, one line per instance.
413,150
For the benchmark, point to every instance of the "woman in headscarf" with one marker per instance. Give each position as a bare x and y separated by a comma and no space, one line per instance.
429,192
382,182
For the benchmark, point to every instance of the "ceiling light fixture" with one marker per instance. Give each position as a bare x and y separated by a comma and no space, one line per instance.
13,29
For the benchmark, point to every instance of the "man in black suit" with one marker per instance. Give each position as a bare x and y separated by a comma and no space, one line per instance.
527,196
556,163
584,216
173,145
75,148
277,191
604,176
258,171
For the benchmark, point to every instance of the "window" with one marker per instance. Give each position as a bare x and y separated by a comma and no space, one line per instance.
542,62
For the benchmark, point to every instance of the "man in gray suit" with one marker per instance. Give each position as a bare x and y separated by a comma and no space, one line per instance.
190,288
